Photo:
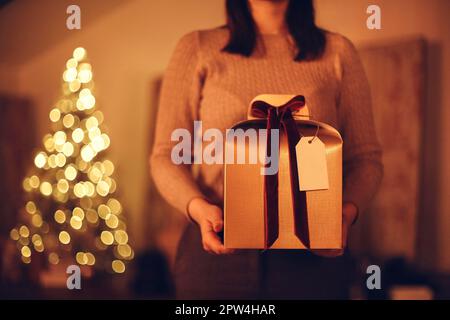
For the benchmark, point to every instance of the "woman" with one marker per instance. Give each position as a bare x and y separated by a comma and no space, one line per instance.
266,47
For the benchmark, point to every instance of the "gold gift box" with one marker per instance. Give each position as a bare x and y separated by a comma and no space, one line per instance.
244,190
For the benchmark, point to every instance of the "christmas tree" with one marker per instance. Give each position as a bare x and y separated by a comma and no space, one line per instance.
70,212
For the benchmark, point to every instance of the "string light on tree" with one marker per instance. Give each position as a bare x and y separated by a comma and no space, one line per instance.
71,211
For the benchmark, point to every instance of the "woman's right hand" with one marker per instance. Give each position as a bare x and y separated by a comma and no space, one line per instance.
210,220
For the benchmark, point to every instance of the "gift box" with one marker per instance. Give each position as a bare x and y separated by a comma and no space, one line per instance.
300,205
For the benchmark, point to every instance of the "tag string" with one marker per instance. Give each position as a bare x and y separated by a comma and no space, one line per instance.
315,135
317,129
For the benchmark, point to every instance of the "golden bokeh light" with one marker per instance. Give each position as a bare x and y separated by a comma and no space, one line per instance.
112,221
64,237
53,258
109,167
52,161
79,54
80,105
39,248
49,144
26,252
36,239
107,237
98,144
91,123
118,266
34,181
63,185
85,75
121,237
95,174
24,231
26,184
81,258
40,160
26,260
79,190
85,92
75,85
46,188
67,149
90,259
70,172
60,159
59,137
106,140
82,165
91,216
60,174
68,120
14,234
102,188
70,74
85,99
24,241
78,135
71,63
30,207
55,115
86,203
60,216
36,220
76,222
124,250
85,66
87,153
78,212
65,105
104,211
94,132
112,186
99,115
90,188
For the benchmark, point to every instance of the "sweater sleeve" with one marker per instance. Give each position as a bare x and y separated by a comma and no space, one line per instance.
178,108
362,164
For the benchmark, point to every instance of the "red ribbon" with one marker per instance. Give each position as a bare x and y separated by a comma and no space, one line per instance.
281,117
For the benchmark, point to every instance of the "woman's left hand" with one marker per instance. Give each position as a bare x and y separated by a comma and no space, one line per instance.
349,214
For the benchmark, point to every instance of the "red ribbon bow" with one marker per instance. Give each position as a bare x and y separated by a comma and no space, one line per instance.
282,117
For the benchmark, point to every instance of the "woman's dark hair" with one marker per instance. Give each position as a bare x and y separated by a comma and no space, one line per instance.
300,19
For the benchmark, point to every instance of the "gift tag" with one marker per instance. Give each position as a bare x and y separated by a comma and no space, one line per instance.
312,164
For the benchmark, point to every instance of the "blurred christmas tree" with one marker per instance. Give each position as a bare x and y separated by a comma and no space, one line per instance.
70,213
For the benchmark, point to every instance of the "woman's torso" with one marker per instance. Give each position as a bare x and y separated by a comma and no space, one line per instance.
231,81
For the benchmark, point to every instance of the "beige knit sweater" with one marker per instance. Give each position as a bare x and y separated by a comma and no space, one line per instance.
204,83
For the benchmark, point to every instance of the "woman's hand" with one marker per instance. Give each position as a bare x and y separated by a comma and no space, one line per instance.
210,220
349,214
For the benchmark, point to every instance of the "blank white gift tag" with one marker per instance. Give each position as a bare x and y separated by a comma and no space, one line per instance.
312,164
